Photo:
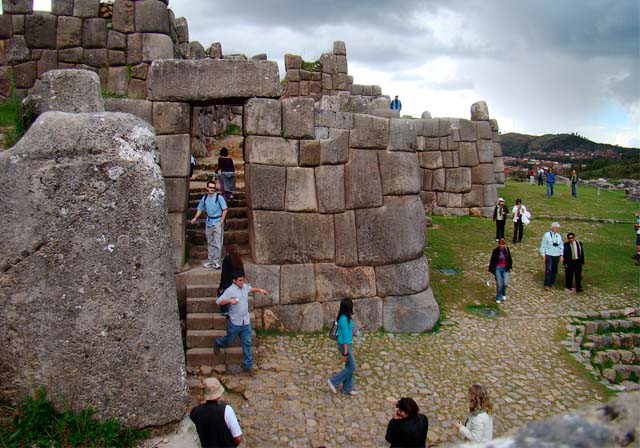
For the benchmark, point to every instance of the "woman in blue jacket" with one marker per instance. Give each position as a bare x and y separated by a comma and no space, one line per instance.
345,332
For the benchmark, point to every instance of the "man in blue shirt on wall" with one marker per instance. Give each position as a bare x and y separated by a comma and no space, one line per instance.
396,104
216,208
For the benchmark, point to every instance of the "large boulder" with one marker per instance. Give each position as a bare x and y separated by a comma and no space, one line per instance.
73,91
411,313
88,298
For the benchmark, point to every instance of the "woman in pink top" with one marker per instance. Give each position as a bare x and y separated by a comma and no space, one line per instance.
500,266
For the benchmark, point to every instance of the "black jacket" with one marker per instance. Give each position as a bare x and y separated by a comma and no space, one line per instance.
494,260
505,211
408,432
566,254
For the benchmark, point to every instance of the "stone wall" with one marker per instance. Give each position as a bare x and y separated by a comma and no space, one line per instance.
461,163
341,217
78,34
329,76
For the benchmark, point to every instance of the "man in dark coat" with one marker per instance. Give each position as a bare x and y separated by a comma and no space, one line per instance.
573,256
407,428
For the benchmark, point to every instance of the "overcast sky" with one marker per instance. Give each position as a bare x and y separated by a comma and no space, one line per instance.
543,66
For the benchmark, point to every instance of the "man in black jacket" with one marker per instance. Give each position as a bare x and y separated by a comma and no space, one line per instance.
573,256
215,420
407,428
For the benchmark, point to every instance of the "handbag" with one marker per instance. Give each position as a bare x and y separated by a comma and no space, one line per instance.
333,333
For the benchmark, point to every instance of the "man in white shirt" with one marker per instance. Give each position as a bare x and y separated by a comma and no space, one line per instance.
551,249
238,323
215,420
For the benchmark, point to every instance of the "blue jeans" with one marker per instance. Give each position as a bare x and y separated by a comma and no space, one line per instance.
245,339
550,269
345,376
550,189
574,191
502,282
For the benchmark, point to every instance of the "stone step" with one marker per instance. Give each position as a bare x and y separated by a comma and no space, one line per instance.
198,252
206,338
206,321
229,223
197,357
203,289
198,275
230,236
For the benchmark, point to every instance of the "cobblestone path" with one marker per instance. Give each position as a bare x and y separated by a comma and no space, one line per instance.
517,356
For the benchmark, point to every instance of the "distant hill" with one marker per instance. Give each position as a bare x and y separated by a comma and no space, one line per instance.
523,145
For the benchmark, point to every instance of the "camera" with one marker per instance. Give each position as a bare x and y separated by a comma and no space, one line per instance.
555,244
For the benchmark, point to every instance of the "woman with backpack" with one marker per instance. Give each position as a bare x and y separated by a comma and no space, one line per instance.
227,175
345,334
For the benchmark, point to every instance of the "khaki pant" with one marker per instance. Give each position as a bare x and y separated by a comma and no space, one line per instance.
214,242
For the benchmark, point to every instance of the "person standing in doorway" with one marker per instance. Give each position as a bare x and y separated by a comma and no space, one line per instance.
239,322
396,104
551,249
215,421
345,347
216,208
500,265
520,218
500,213
574,184
227,174
573,256
551,181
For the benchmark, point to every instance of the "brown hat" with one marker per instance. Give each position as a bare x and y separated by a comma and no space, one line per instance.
212,389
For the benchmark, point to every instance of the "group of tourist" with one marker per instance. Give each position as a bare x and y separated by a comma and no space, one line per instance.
550,177
521,217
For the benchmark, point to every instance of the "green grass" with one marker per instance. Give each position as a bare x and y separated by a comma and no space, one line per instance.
11,121
312,66
589,204
35,423
233,129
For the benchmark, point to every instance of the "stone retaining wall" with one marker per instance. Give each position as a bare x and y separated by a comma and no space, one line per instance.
76,34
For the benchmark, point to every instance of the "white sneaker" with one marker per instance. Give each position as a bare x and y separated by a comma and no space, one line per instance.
498,301
331,386
208,264
353,392
504,298
216,266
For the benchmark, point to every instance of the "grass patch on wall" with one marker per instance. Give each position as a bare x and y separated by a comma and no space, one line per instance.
10,121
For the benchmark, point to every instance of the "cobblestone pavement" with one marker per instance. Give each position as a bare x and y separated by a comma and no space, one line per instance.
517,356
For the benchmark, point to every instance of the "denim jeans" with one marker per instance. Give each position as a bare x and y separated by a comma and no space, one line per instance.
502,282
345,376
574,191
550,269
550,189
245,339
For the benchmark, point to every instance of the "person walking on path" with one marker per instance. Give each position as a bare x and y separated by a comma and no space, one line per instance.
520,218
227,174
396,104
551,181
230,264
551,249
345,334
540,176
500,265
637,227
215,421
479,425
573,256
407,428
216,208
500,213
574,184
239,321
531,176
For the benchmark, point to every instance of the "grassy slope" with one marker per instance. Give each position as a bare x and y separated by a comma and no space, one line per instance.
466,243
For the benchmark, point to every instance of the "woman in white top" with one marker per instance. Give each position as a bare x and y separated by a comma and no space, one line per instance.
520,218
479,425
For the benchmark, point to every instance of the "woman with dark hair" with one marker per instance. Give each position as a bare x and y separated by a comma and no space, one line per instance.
479,425
345,333
520,218
407,428
231,263
227,175
500,265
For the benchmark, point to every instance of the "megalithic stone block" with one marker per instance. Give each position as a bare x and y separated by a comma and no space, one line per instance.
335,282
41,30
297,283
271,151
330,188
262,116
400,172
175,151
298,118
479,111
346,245
369,132
213,79
413,313
177,230
392,233
458,180
259,197
17,6
301,190
402,135
152,16
363,187
398,279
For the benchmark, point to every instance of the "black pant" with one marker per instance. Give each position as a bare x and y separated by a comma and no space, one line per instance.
500,229
573,269
518,228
